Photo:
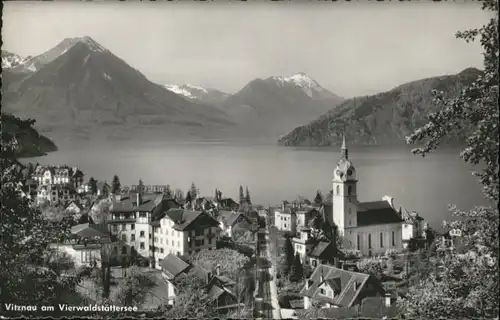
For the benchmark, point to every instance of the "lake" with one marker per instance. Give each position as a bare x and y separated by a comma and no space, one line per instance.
426,185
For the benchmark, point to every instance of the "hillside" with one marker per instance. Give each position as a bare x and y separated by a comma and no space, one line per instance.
31,143
82,90
273,106
384,118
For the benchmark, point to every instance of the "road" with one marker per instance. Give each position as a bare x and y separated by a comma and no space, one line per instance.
264,301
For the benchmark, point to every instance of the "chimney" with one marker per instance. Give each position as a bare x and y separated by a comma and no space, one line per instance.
209,276
387,299
217,270
283,204
139,198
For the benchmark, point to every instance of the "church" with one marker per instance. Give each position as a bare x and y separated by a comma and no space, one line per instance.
370,227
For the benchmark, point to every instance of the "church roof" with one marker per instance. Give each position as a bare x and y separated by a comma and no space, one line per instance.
376,212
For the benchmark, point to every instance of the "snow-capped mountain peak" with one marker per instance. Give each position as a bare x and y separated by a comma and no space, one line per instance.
91,44
190,91
302,80
12,60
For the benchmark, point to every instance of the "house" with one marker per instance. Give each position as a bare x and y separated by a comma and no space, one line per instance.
86,243
229,220
54,193
413,226
74,206
329,287
130,217
370,227
228,204
172,266
58,174
101,185
313,252
285,218
182,232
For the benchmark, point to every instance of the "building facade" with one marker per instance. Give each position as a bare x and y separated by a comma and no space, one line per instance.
370,227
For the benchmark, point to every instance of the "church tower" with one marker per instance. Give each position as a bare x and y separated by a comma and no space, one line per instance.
344,193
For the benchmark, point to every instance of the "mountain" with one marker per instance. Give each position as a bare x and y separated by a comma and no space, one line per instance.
11,60
384,118
80,89
30,142
199,94
273,106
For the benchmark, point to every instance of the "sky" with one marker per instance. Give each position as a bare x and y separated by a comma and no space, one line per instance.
350,48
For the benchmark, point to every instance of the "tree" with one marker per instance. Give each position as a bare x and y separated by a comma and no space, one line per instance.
133,288
297,271
467,284
476,105
189,199
247,196
193,191
242,195
230,261
288,258
26,236
140,186
179,195
105,190
371,266
93,186
115,185
319,198
168,192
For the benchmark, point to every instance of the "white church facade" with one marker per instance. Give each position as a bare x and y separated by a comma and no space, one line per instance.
370,227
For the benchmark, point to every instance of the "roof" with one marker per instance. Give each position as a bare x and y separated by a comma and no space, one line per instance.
88,230
76,203
129,202
319,249
335,277
173,265
163,204
376,212
183,219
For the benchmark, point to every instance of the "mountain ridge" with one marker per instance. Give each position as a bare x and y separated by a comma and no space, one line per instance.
384,118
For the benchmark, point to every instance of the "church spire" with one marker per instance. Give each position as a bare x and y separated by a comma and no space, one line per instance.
343,150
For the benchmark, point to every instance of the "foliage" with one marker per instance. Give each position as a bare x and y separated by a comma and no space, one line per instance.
477,105
297,271
193,191
133,288
319,198
93,186
115,185
230,261
192,304
179,195
466,285
242,195
288,258
247,196
168,192
352,254
188,198
371,266
105,190
391,253
27,277
30,142
140,186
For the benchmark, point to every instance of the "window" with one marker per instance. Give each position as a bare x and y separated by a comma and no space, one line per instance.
124,237
161,240
369,241
115,228
132,237
155,240
358,242
173,243
124,250
381,240
142,234
322,291
142,214
349,222
338,190
172,233
393,238
132,226
314,263
349,190
285,225
161,250
349,210
115,250
149,235
141,245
